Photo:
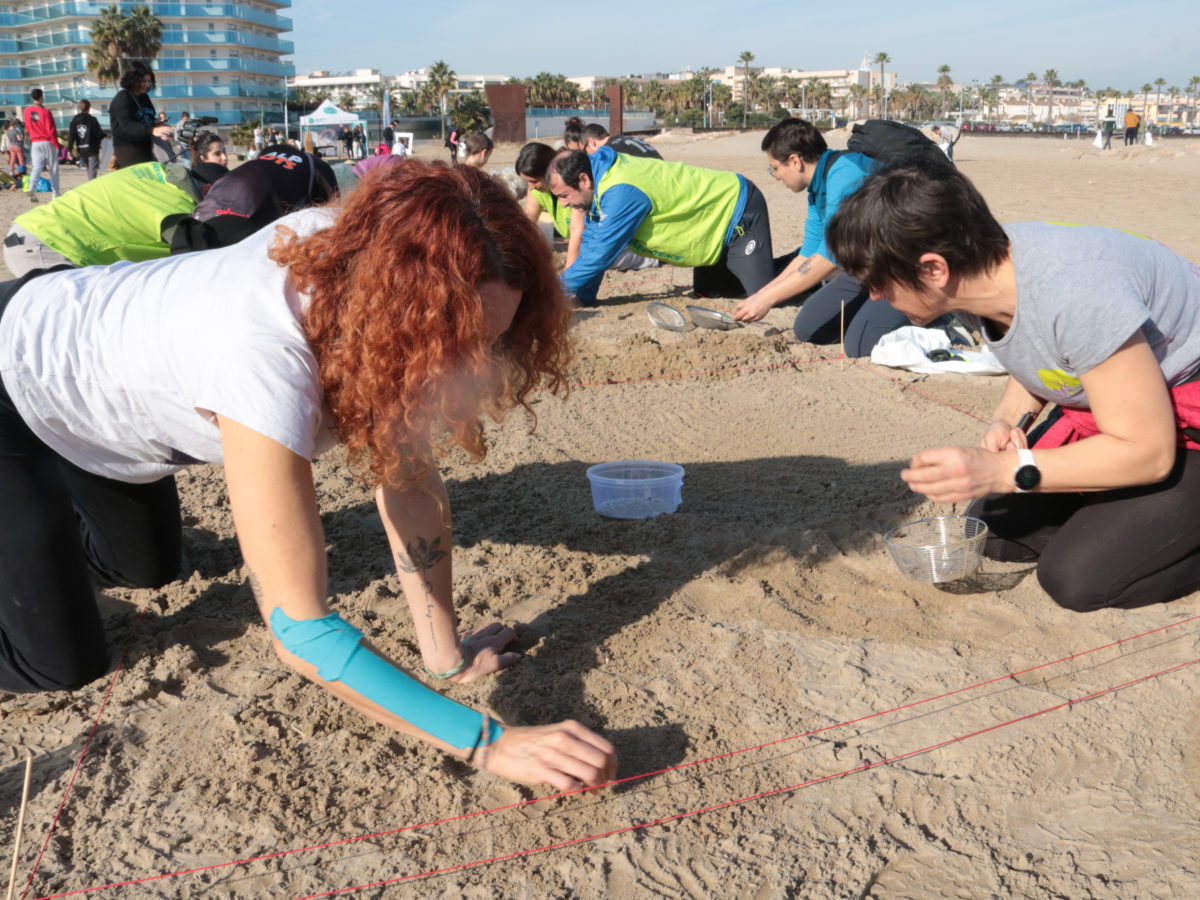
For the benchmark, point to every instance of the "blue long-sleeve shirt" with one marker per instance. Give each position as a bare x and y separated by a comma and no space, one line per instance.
837,176
607,234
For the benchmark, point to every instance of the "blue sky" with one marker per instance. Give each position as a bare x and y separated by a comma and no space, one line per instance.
1106,43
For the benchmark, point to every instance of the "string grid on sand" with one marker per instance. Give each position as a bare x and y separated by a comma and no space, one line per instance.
907,736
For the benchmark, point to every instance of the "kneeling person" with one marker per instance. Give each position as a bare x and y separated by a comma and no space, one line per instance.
128,214
799,157
713,221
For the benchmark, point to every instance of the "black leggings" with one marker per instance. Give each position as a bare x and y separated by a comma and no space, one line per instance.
64,528
867,320
1125,548
746,265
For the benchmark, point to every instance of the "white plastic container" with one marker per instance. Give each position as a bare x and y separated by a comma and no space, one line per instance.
944,548
636,488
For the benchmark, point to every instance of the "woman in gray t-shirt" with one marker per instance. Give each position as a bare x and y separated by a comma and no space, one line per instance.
1103,323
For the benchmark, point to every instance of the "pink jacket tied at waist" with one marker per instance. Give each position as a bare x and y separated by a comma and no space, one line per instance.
1076,424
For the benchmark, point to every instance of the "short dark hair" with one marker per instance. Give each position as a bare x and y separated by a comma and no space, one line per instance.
132,79
595,130
477,142
797,136
570,164
534,159
573,131
36,95
185,115
879,232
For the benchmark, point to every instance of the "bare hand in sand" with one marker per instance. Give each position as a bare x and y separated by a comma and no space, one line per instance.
752,308
565,755
951,474
486,648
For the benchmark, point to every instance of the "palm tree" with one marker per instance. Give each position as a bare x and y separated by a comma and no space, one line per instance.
789,87
1158,83
1050,76
746,57
997,81
143,34
768,91
1030,81
1193,88
377,92
857,93
107,53
441,81
944,83
118,36
347,101
882,58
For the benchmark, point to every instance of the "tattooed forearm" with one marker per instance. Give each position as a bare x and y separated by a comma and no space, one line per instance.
423,556
804,267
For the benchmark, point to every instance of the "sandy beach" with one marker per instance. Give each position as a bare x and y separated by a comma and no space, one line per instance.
794,718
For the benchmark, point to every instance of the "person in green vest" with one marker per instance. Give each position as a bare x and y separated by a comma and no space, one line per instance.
127,214
532,163
716,222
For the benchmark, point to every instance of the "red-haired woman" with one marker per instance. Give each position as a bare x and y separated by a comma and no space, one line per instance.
388,325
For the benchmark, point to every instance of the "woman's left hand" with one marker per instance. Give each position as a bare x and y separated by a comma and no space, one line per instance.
486,648
951,474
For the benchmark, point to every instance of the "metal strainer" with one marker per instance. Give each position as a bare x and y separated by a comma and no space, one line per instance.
664,315
711,318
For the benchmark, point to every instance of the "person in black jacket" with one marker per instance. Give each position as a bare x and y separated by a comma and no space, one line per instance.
134,124
83,139
282,179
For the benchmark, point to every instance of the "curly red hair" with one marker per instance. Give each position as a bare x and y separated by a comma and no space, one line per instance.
396,320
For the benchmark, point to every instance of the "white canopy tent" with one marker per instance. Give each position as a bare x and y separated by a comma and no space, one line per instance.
325,119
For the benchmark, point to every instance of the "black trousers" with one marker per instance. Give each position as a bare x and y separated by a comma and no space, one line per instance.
63,530
747,264
1124,548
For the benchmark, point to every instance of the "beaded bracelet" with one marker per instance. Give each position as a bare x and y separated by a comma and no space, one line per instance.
482,743
467,656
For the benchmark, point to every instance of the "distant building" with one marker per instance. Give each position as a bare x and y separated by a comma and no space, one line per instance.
221,59
361,84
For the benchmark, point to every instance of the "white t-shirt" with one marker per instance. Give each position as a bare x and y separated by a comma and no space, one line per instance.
121,369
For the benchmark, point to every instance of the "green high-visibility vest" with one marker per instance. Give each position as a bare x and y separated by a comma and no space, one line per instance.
690,208
116,216
558,211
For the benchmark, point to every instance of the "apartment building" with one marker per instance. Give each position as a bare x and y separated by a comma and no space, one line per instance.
217,59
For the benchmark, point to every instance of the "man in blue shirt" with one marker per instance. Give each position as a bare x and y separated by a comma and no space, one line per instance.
799,157
714,221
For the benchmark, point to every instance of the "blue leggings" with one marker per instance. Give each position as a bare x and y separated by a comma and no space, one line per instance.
867,320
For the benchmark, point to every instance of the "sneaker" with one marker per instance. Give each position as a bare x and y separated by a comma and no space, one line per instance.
33,198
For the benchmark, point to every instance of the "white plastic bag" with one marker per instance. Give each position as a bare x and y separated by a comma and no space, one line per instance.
1149,138
906,348
1098,143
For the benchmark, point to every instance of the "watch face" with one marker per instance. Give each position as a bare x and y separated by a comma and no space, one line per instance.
1027,477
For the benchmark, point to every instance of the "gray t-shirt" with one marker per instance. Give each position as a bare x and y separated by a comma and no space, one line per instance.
1082,292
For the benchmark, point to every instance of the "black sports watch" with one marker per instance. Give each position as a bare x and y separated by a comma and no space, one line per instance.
1026,476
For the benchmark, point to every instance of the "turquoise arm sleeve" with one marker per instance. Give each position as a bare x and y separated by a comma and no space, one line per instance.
335,647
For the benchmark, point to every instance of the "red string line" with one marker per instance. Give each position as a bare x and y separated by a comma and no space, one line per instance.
82,753
737,370
721,756
743,800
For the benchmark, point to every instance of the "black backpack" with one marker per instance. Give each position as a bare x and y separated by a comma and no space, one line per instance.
891,142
